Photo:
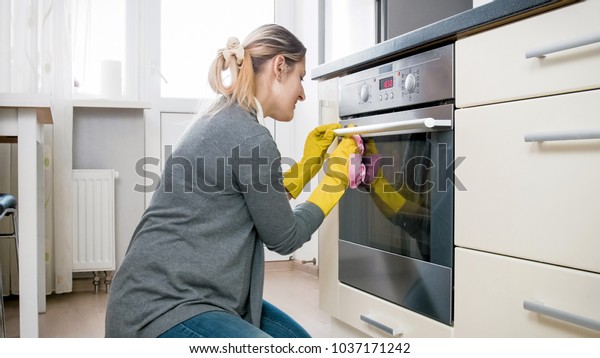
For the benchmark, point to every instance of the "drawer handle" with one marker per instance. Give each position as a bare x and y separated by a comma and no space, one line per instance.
389,330
567,135
393,126
542,309
583,40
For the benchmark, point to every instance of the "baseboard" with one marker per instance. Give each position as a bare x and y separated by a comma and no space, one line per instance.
289,265
285,265
85,282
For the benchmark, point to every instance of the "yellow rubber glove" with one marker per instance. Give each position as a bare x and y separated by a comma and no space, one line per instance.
315,147
332,187
386,198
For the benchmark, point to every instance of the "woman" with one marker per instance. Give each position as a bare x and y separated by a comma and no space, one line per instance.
195,266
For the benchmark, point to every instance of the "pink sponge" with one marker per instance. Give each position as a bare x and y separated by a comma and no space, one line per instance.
363,169
356,169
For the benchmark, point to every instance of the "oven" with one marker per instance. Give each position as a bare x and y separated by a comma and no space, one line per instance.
396,221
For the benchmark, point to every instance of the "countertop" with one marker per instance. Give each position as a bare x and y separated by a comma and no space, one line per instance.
480,18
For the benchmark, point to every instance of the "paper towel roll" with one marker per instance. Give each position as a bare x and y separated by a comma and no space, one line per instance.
110,81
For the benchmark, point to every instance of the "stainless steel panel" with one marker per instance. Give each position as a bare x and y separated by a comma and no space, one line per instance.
422,78
416,285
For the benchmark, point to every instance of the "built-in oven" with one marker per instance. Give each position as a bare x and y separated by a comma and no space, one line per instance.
396,222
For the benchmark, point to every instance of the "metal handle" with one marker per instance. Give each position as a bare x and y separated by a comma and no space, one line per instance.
542,309
566,135
583,40
394,126
381,326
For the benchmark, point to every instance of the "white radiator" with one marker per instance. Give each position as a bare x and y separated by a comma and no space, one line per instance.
94,220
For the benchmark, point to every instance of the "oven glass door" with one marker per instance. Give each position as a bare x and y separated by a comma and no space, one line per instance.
396,232
408,207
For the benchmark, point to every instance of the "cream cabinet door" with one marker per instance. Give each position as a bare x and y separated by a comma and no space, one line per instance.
379,318
492,291
492,67
534,200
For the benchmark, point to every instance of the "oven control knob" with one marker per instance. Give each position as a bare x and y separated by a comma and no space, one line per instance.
364,93
410,83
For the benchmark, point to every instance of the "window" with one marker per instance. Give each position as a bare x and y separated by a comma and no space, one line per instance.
106,56
98,47
191,33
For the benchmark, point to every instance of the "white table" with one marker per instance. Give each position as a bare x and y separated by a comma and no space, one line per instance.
22,119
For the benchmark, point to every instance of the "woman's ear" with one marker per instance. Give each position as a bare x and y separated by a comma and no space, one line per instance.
279,66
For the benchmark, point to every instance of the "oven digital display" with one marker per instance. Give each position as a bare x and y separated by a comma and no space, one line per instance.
386,83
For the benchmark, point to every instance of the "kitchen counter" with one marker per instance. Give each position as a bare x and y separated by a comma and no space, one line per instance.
480,18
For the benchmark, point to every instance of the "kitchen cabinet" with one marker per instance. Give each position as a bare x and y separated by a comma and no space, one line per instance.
492,66
493,291
529,134
534,200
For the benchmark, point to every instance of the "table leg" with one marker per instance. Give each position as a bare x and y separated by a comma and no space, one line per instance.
30,208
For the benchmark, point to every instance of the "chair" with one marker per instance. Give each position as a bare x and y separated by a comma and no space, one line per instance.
2,320
8,207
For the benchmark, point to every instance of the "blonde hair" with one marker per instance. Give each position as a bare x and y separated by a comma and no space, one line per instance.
260,46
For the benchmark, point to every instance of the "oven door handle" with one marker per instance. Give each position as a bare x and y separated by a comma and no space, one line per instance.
421,123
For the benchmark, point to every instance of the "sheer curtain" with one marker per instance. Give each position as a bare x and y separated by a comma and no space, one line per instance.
99,35
35,60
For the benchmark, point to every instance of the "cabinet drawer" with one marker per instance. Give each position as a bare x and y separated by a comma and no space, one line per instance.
535,200
490,291
354,303
491,66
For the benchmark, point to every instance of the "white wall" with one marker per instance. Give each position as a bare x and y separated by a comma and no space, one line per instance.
342,37
349,27
290,136
113,139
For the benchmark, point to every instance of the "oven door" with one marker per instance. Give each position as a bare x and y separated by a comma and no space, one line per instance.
396,233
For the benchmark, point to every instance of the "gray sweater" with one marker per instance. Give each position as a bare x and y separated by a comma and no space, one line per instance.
199,245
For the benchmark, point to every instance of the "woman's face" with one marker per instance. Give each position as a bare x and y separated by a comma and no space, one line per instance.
287,91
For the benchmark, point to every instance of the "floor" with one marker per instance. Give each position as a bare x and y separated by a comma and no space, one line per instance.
292,288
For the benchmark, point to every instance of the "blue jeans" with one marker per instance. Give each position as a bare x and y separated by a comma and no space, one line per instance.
274,323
